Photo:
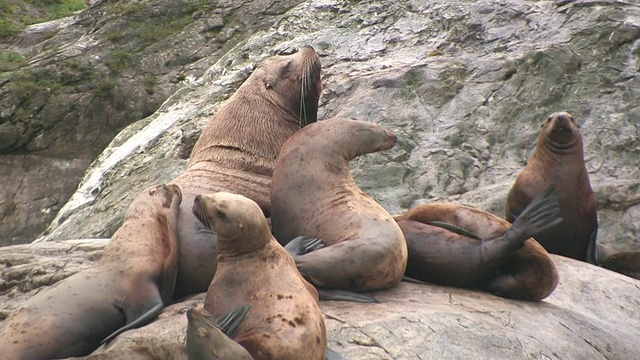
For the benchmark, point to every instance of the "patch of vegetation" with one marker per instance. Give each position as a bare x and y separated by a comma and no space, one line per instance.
66,8
119,60
10,61
16,14
150,84
105,87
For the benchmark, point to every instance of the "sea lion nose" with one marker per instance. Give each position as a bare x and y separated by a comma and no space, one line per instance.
391,135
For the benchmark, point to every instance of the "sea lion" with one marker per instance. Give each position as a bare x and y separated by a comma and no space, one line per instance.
558,161
125,289
285,321
209,339
313,195
626,262
481,250
237,152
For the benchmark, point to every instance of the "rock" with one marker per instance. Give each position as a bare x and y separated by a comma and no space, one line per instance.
590,315
68,86
464,85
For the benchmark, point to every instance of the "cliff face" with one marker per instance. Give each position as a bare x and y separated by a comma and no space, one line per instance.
464,84
68,86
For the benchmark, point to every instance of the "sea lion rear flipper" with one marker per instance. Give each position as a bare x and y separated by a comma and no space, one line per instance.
332,355
136,322
343,295
453,228
230,322
302,245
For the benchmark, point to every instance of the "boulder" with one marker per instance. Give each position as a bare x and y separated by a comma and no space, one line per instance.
591,315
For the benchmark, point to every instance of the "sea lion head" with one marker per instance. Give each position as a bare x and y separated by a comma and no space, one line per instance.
279,74
154,198
561,131
238,221
357,137
205,336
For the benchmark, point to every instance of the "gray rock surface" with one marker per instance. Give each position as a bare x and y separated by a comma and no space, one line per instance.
591,315
68,86
465,85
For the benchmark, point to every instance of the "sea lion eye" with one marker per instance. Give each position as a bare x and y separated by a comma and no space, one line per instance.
221,215
268,85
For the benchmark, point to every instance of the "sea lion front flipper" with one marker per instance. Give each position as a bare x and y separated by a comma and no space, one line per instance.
453,228
134,322
332,355
541,214
302,245
230,322
344,295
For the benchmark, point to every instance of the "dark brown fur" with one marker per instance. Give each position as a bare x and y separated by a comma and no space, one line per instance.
627,263
442,256
125,289
285,321
314,195
238,149
558,160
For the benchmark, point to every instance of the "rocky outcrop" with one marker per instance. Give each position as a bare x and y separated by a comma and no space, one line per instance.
464,85
591,315
68,86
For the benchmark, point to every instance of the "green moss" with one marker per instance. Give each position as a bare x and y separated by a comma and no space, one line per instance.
16,14
10,61
66,8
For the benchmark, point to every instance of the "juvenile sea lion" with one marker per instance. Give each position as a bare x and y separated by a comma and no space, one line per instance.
461,246
209,339
237,151
125,289
285,321
313,195
558,161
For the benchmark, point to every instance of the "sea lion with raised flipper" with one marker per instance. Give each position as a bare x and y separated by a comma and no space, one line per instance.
558,161
125,289
237,151
462,246
313,195
285,321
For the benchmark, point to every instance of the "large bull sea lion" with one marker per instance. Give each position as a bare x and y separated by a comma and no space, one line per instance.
558,161
125,289
285,321
313,195
237,151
